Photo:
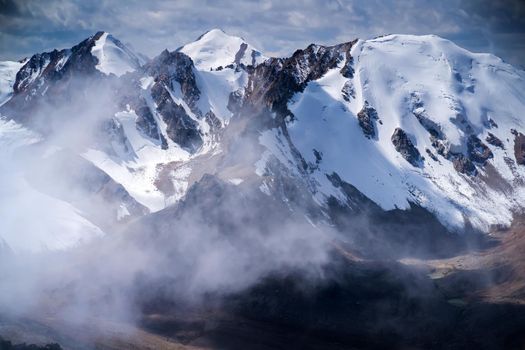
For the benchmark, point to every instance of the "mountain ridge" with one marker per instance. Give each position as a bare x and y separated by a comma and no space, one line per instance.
170,116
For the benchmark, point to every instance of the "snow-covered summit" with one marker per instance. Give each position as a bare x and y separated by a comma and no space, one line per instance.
113,56
421,121
216,49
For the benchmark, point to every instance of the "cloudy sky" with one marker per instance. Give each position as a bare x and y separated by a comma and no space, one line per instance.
276,27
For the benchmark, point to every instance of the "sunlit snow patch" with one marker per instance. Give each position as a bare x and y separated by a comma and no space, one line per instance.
113,57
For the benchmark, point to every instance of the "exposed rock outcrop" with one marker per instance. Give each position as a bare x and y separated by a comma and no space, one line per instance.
240,53
235,101
147,124
494,141
405,147
367,117
519,147
433,128
431,155
464,165
441,146
180,127
274,81
348,91
170,67
348,70
478,152
212,120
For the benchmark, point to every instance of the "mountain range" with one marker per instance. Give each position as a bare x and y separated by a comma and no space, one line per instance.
397,147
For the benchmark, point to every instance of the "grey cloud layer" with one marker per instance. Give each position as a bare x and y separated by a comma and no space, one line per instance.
275,27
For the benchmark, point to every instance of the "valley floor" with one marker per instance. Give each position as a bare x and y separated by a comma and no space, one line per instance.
475,300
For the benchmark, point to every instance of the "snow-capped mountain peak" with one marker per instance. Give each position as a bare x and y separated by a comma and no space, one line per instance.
215,49
113,56
432,124
390,123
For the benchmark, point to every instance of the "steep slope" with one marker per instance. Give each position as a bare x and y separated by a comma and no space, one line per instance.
61,100
420,121
174,115
113,57
54,78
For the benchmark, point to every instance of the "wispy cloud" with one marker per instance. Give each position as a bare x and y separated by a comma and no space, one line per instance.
276,27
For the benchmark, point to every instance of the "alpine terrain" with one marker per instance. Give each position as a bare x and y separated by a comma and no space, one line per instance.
364,195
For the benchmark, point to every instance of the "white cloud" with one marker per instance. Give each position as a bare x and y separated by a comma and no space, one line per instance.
276,27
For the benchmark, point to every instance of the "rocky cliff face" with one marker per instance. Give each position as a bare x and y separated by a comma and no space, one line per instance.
169,72
274,82
404,146
519,148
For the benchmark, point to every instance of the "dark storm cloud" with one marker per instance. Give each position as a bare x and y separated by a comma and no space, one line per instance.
276,27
